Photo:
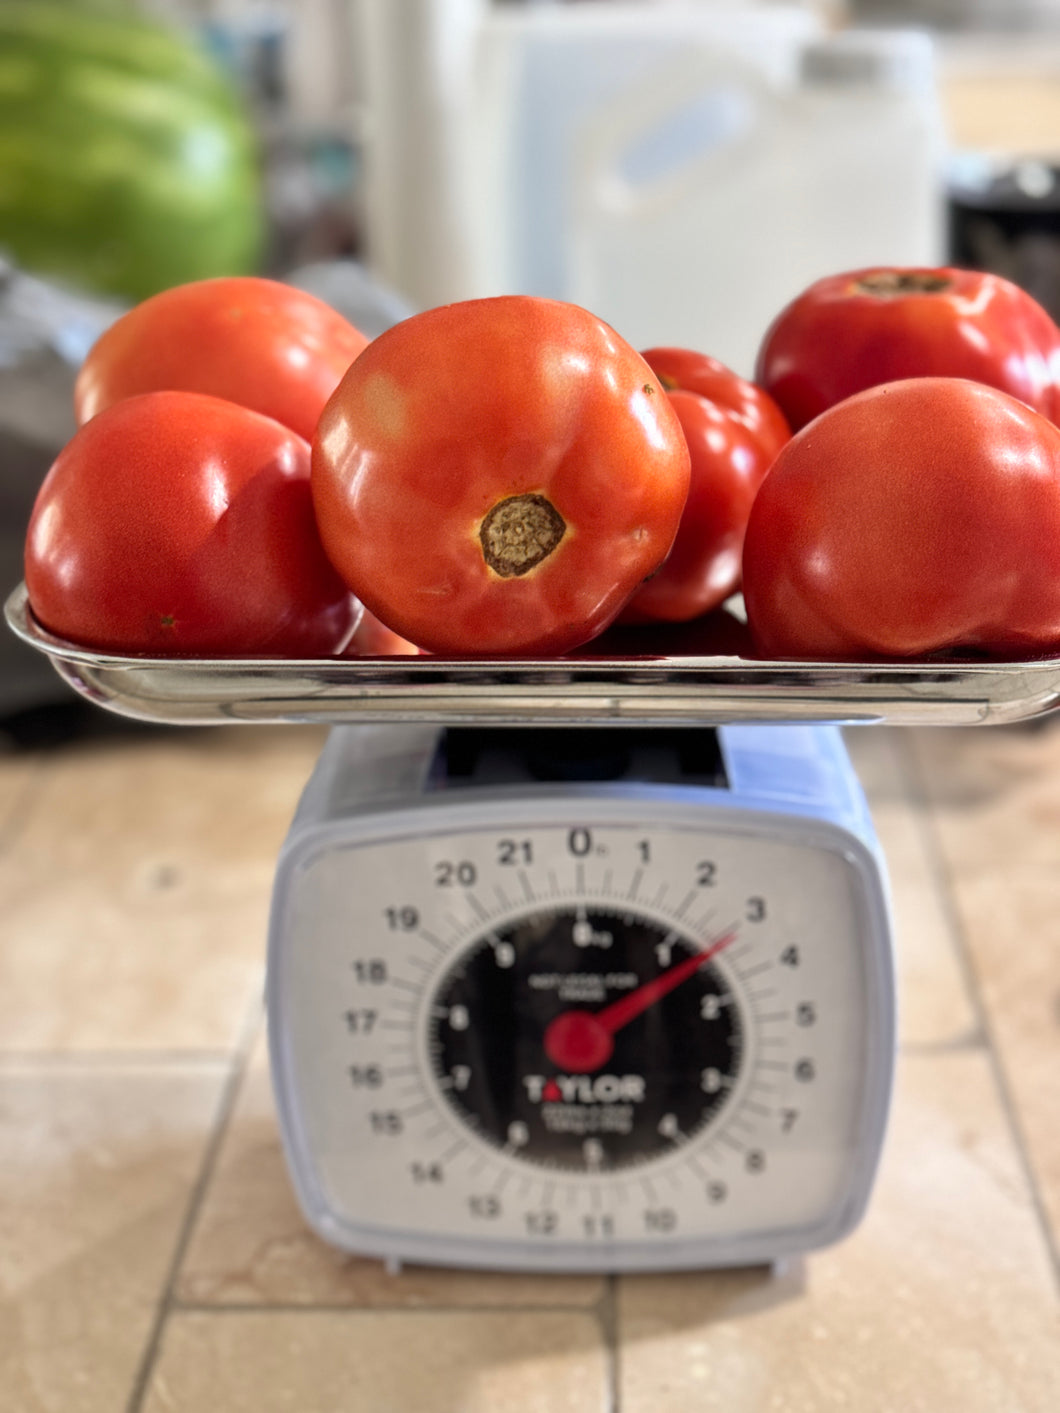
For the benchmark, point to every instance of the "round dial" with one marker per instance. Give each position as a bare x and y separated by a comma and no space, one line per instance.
586,1038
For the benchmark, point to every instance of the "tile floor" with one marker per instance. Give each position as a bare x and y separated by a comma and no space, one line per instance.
152,1259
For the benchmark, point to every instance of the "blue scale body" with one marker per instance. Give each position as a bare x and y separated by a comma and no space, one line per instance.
379,783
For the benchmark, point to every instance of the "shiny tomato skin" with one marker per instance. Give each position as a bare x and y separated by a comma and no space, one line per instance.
911,519
853,331
734,431
710,378
375,639
179,524
462,415
277,350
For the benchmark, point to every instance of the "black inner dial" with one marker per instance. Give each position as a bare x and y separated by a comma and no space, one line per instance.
586,1038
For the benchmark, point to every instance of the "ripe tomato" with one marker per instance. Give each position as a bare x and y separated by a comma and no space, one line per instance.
262,344
375,639
852,331
912,518
497,476
747,403
176,523
733,430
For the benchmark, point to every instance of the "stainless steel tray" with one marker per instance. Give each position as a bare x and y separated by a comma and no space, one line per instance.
588,688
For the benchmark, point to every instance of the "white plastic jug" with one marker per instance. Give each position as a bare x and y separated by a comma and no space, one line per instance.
547,78
680,169
474,113
701,247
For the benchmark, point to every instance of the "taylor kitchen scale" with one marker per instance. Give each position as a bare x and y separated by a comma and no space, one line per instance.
580,964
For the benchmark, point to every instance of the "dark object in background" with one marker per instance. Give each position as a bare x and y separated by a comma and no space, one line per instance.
44,728
45,333
294,67
996,16
1004,216
356,293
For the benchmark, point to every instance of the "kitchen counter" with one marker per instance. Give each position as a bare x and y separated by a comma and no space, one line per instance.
152,1259
1001,93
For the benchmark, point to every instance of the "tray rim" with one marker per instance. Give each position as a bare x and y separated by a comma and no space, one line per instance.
604,689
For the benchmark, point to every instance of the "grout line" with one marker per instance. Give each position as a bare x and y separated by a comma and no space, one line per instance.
942,872
608,1314
62,1060
973,1042
239,1063
347,1307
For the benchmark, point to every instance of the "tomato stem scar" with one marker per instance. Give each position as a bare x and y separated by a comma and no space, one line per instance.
519,533
889,284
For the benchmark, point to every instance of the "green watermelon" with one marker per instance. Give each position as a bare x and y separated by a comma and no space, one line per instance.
127,163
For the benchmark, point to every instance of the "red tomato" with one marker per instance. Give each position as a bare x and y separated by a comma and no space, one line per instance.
853,331
375,639
175,523
262,344
913,518
498,476
733,430
747,403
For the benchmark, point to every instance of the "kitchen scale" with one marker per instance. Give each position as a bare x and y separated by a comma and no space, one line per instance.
581,999
579,964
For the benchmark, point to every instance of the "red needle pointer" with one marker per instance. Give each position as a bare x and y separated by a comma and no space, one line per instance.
582,1041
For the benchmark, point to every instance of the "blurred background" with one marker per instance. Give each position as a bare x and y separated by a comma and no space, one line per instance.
680,167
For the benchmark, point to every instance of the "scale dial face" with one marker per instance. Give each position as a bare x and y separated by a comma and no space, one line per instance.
591,1033
588,1038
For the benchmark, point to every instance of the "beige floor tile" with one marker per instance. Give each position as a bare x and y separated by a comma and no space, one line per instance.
135,895
97,1173
380,1362
942,1300
934,1004
996,803
252,1246
1013,930
20,775
995,794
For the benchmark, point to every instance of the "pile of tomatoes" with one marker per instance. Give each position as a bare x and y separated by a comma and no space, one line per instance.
251,477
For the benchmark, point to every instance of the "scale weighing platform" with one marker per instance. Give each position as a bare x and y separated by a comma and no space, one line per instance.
581,964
